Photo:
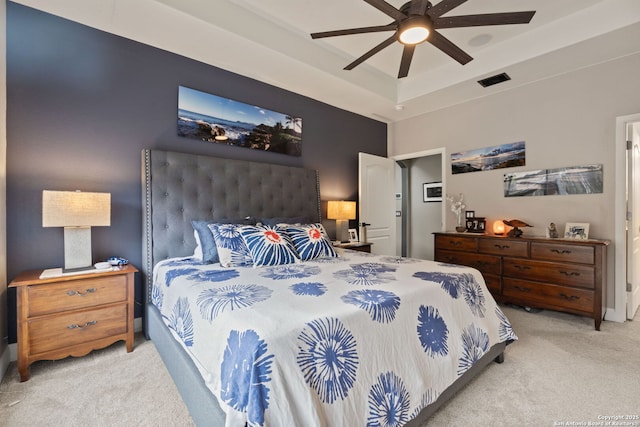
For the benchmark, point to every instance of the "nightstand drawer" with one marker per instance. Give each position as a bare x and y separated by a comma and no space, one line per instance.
56,297
66,330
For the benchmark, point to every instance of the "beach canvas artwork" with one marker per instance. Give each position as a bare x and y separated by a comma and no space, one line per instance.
571,180
218,120
482,159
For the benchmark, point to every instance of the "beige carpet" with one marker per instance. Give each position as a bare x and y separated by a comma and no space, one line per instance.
560,371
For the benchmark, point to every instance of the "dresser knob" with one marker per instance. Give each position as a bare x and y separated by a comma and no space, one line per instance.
86,325
88,291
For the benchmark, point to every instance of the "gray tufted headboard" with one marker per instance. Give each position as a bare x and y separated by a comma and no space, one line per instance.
179,187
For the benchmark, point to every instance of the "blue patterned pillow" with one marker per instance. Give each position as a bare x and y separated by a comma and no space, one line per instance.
269,245
206,249
311,241
231,249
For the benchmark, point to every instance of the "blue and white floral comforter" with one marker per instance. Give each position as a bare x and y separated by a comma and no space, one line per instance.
349,341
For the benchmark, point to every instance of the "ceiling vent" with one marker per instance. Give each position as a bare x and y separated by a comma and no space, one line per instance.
494,80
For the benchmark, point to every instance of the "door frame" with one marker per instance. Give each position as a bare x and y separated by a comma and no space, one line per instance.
442,151
619,311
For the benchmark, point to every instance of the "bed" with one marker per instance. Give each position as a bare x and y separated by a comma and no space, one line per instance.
347,338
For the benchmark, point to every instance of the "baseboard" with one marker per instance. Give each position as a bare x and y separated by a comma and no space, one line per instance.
616,315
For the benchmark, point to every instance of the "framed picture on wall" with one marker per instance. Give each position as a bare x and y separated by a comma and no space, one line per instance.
432,192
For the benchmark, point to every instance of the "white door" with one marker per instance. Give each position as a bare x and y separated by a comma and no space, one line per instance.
633,221
377,203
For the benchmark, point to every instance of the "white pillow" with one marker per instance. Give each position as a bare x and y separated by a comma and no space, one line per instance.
197,253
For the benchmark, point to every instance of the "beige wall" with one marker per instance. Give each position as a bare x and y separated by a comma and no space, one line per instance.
568,120
4,356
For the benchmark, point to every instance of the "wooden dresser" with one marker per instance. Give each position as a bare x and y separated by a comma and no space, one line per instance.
72,315
556,274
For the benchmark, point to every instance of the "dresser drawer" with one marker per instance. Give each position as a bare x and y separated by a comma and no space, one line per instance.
549,295
456,243
564,253
487,264
64,296
505,247
577,275
494,283
66,330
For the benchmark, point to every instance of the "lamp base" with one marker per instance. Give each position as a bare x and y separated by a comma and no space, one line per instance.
342,230
77,248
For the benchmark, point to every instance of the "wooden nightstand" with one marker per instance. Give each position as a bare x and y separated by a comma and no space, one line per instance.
72,315
356,246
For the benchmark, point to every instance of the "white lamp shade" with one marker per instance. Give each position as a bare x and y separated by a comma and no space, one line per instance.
339,209
75,209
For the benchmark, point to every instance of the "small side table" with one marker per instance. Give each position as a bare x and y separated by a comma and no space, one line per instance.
356,246
71,315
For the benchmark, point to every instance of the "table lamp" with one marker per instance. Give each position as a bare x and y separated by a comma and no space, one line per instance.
77,212
342,212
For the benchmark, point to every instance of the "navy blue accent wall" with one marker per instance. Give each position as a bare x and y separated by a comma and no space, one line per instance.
82,104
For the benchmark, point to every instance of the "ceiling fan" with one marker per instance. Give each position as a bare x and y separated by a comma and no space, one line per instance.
417,21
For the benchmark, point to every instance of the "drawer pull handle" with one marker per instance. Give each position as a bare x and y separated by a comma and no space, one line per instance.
569,297
522,267
569,273
88,291
560,251
522,288
85,326
482,263
502,246
454,243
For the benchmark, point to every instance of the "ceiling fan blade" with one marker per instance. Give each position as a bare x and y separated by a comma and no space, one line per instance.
407,55
445,45
443,7
418,7
372,52
386,8
484,19
361,30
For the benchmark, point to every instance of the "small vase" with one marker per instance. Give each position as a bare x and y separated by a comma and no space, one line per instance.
460,225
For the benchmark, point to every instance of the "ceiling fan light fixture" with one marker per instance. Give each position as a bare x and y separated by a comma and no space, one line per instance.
414,30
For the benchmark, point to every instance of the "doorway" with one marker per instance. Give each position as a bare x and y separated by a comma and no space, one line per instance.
416,218
633,218
627,220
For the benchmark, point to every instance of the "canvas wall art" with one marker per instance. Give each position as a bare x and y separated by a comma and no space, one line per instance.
482,159
218,120
571,180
